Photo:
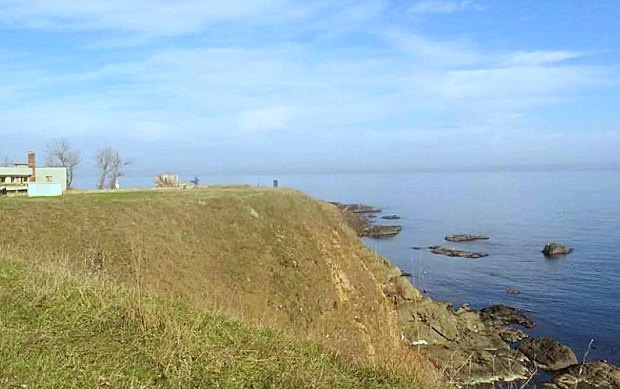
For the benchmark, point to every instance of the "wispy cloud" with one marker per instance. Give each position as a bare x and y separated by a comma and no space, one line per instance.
435,52
541,57
315,84
258,90
444,6
157,17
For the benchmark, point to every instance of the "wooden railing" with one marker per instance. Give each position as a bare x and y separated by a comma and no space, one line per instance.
13,186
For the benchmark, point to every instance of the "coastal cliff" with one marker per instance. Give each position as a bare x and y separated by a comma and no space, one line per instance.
272,259
267,258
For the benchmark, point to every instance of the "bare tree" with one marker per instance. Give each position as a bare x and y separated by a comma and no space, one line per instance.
6,161
117,169
104,162
59,153
111,165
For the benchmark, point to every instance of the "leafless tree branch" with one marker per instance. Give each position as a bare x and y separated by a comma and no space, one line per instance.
6,161
111,165
59,153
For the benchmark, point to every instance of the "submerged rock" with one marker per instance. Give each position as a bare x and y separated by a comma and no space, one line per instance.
501,315
457,253
465,238
548,353
376,231
513,292
600,375
553,249
390,217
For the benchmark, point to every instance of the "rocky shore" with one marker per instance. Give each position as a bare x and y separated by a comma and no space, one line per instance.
471,350
481,347
358,216
484,347
599,374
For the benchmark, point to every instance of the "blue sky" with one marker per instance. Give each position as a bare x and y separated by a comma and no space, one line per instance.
275,86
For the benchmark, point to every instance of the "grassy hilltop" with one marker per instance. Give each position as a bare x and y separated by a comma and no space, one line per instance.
223,286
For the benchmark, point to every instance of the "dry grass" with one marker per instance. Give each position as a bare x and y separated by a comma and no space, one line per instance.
63,328
270,258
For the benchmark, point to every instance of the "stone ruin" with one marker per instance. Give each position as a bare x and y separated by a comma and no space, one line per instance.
167,181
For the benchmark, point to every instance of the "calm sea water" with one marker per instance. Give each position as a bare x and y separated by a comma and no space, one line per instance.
575,298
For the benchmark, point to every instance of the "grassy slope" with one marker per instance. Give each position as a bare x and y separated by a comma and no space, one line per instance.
271,258
61,328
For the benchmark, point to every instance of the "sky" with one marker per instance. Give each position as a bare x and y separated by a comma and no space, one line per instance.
282,86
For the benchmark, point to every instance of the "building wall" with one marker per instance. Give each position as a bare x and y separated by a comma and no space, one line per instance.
15,171
52,175
56,175
44,189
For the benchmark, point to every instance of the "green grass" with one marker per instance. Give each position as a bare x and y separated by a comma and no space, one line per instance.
61,329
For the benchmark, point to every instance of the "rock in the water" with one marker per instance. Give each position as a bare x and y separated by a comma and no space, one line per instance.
501,315
376,231
599,375
548,353
513,292
457,253
553,249
390,217
465,238
511,335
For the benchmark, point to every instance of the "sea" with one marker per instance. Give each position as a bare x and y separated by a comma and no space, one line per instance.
574,298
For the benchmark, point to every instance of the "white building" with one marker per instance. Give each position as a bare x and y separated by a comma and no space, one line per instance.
27,178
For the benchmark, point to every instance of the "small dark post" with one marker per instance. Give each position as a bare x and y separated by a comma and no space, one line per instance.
275,183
